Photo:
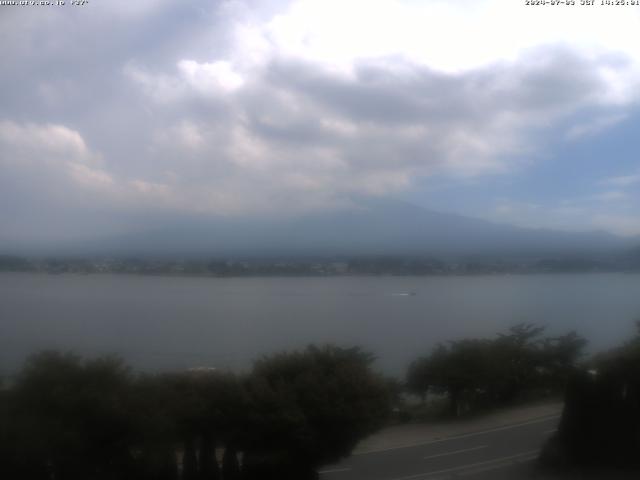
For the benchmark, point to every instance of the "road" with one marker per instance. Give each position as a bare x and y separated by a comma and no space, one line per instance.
506,452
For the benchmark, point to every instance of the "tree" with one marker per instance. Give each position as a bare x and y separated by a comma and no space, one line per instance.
462,370
73,417
156,430
560,356
419,378
477,372
192,412
309,408
67,418
600,423
517,359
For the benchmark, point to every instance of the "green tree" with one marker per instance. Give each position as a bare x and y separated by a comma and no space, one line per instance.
560,357
419,378
600,423
156,428
462,370
517,358
310,408
481,372
192,412
73,417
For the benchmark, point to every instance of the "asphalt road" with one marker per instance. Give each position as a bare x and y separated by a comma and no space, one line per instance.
507,452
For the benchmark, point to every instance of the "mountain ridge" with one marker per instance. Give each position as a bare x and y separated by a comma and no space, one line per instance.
372,227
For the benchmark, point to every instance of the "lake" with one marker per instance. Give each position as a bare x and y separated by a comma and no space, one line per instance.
178,322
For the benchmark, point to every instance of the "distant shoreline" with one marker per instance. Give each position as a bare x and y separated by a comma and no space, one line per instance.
322,267
309,275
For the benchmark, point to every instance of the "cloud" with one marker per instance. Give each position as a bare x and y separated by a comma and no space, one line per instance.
242,107
449,37
594,126
205,76
297,130
613,211
46,143
51,153
611,196
628,225
622,180
45,163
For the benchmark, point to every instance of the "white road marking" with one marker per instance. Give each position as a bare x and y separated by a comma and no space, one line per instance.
496,461
334,470
456,451
496,466
457,437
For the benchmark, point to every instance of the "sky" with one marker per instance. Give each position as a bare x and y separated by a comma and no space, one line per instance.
121,114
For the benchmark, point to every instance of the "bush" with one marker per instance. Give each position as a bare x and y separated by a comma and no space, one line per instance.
483,373
68,418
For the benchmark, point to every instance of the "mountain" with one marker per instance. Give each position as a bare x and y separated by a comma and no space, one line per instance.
374,227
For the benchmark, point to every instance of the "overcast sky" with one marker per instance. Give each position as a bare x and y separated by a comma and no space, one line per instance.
118,112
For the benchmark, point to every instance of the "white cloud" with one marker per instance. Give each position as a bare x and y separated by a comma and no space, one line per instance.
90,177
46,143
594,126
161,87
628,225
53,161
210,78
242,108
612,211
611,196
187,134
371,133
622,180
448,36
129,9
321,100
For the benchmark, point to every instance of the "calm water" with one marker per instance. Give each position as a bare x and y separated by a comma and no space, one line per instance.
168,322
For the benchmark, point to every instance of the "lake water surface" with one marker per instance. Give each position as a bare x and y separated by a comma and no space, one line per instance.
177,322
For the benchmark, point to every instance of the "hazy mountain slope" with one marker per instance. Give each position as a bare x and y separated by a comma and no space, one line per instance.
375,227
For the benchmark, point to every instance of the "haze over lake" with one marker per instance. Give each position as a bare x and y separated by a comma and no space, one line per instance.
179,322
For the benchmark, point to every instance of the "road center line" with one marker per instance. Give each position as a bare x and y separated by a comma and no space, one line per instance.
497,466
334,470
457,437
456,451
468,466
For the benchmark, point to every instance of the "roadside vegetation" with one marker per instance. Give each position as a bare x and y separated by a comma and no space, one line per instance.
599,430
600,424
66,418
471,375
63,417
